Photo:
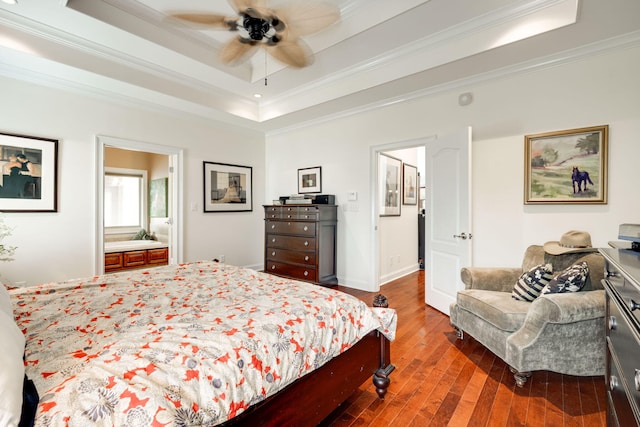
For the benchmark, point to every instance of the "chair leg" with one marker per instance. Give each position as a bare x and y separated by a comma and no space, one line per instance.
459,332
520,377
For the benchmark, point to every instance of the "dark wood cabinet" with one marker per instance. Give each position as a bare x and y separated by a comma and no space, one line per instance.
300,242
622,285
116,261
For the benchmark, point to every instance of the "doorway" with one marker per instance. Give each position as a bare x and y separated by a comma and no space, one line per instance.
170,225
379,236
447,228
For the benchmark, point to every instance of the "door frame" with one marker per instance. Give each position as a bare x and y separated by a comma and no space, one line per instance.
373,187
176,156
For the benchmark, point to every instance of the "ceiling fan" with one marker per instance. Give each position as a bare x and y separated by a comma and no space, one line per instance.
278,30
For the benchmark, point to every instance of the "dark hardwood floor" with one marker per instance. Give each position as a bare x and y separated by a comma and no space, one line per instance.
442,381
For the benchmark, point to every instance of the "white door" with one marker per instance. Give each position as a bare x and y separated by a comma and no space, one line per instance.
448,228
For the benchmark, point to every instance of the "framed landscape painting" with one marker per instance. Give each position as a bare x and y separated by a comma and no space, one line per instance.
28,182
568,166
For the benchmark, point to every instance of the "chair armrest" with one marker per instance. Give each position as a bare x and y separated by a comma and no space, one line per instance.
490,279
567,307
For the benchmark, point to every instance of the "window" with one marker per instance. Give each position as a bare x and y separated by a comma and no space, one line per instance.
125,201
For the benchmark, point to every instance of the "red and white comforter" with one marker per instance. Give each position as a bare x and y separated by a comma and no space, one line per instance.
179,345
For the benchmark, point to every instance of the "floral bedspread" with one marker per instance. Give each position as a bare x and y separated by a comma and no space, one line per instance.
179,345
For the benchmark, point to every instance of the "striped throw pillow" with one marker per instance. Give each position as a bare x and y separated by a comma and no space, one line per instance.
531,283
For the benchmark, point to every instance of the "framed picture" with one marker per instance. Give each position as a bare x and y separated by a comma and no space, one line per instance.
389,172
29,173
409,184
158,196
310,180
227,188
568,166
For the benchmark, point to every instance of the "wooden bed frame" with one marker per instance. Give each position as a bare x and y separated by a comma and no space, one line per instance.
313,397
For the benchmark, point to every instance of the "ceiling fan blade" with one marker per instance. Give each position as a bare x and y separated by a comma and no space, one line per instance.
309,17
208,20
253,8
294,53
236,49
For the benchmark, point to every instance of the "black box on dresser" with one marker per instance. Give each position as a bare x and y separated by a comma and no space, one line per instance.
300,242
622,286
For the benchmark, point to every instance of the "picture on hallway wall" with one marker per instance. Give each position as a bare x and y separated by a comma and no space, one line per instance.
389,185
227,188
29,173
409,184
567,167
158,198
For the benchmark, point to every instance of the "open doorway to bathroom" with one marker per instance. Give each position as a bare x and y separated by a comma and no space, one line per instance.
139,200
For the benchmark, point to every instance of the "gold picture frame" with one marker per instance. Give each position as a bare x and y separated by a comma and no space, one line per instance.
566,167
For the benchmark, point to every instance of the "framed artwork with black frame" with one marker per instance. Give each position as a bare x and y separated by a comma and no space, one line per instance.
310,180
227,187
566,167
409,184
29,180
389,184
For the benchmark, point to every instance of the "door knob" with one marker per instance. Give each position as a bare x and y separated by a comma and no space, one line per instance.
463,236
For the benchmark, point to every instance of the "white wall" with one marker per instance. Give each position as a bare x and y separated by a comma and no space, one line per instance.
602,89
57,246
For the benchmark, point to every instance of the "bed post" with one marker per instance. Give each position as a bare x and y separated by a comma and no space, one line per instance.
381,376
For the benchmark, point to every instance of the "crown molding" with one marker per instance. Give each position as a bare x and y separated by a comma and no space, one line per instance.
615,44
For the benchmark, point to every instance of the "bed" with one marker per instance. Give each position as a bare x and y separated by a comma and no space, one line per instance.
197,344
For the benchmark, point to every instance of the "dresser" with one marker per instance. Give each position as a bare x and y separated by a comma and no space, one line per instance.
622,285
300,242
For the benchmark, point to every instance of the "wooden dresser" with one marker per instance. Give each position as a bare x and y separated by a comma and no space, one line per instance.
300,242
622,284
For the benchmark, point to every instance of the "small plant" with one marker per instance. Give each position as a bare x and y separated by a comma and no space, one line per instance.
6,252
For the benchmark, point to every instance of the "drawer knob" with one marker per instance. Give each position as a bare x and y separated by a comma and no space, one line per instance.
289,216
273,240
613,323
306,243
633,305
637,379
306,228
273,267
306,257
306,273
273,226
273,253
613,382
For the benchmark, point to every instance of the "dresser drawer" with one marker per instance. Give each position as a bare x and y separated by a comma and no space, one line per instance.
296,257
158,256
291,227
622,412
294,271
624,345
626,291
293,243
112,261
274,212
134,258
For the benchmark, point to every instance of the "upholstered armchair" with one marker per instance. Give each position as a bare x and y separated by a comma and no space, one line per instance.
559,332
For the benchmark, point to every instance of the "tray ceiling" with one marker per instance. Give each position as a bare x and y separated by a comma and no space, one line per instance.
379,52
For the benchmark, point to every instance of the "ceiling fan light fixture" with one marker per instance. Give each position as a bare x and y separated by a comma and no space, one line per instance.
278,31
